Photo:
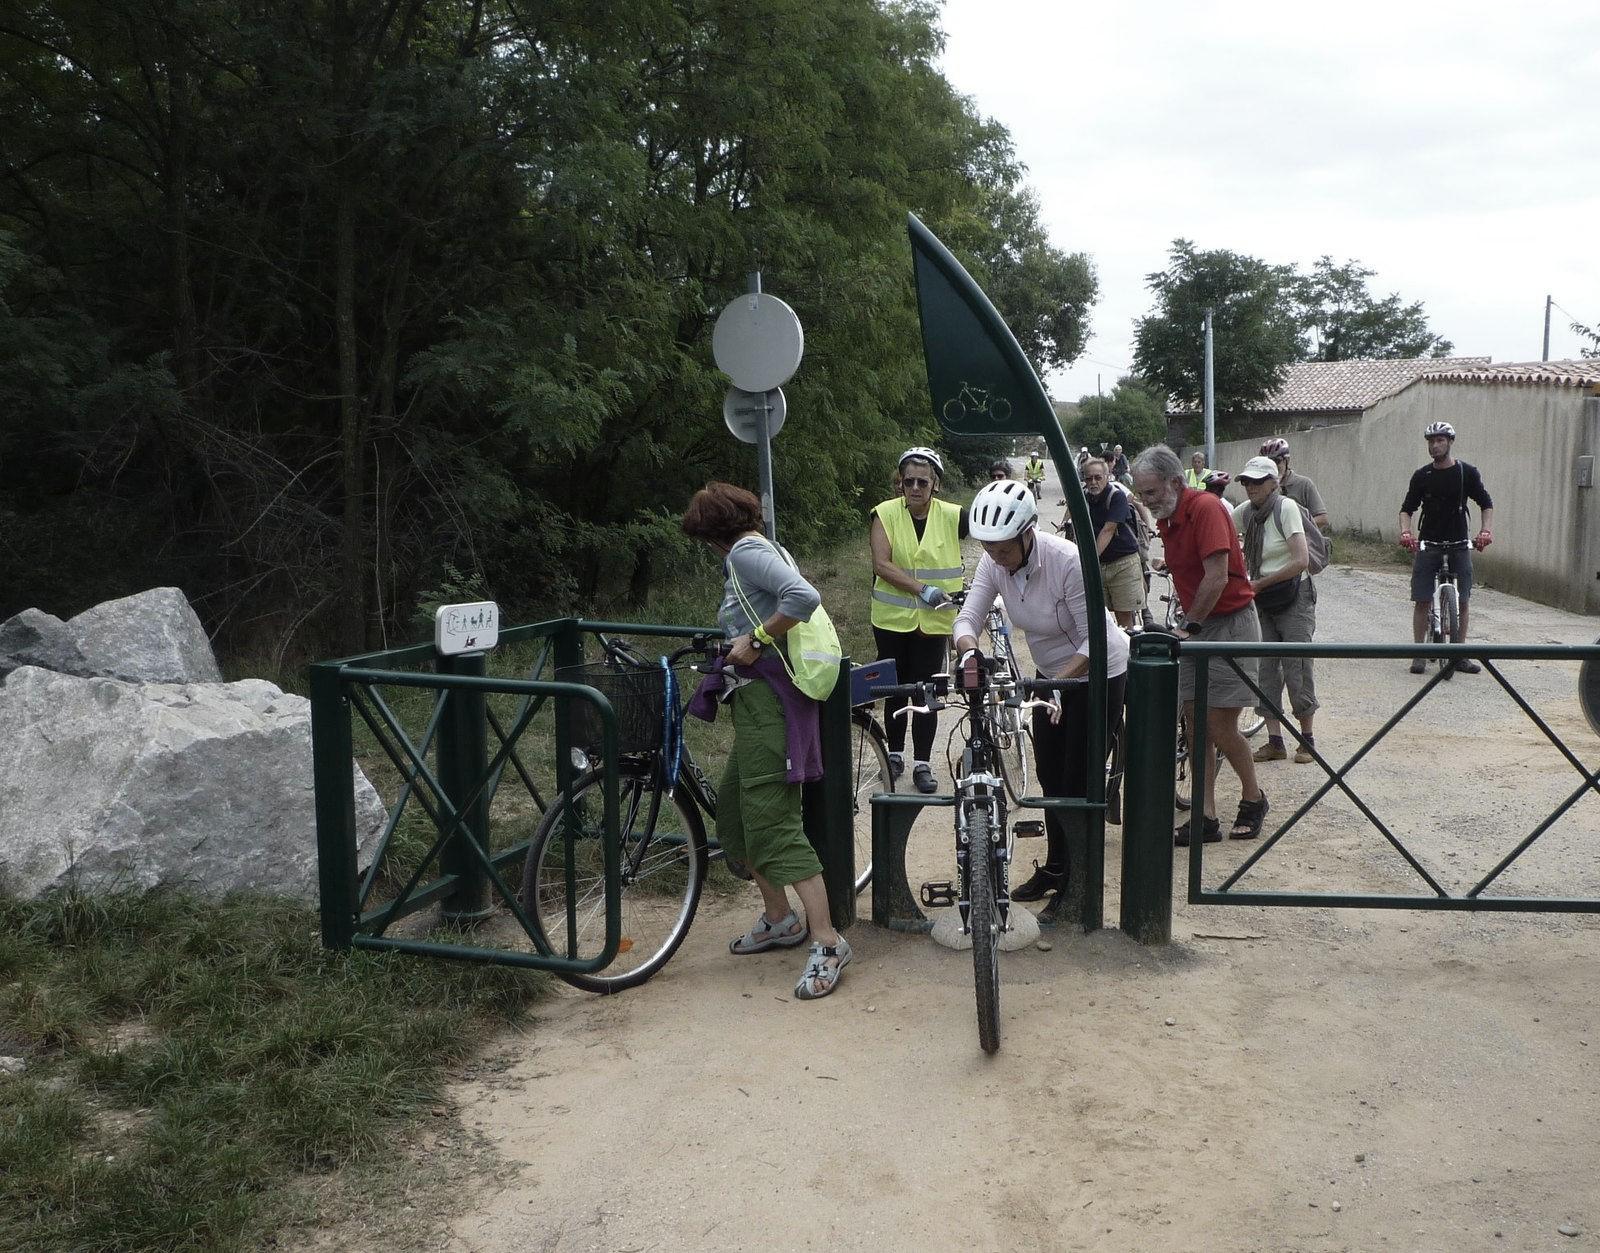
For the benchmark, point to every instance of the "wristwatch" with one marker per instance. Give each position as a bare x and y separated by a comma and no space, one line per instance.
1190,625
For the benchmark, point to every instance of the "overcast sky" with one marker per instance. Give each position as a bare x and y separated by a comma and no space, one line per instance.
1454,149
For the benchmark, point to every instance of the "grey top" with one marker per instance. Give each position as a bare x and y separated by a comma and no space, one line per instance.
1303,491
770,582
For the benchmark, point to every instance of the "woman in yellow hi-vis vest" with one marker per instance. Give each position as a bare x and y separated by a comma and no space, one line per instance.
916,555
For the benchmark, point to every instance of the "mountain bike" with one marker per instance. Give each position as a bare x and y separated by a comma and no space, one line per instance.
1444,612
1013,736
981,891
664,798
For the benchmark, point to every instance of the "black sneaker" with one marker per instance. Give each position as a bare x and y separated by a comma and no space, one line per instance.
1419,666
1044,882
897,767
922,776
1465,665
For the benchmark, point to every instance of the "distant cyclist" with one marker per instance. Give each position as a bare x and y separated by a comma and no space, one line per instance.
1295,486
1443,487
1034,473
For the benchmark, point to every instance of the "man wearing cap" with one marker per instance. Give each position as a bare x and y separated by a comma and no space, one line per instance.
1273,535
916,555
1295,486
1208,574
1118,463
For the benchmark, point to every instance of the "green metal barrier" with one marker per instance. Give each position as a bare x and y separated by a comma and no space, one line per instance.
458,793
1153,713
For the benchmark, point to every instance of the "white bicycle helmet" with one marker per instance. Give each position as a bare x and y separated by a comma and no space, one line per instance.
1001,510
1438,428
921,454
1275,448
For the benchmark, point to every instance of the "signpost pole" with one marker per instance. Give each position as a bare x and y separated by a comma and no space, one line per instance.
763,414
1210,399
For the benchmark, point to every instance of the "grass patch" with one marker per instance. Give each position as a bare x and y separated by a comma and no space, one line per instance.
1367,549
187,1062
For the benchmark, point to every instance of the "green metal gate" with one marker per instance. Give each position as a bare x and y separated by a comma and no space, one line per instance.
1152,722
457,791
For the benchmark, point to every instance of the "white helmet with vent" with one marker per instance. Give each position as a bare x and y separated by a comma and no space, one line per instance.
1001,510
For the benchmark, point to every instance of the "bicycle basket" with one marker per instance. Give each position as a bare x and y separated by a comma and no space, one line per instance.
635,694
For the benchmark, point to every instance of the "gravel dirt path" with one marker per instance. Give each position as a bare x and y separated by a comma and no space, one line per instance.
1274,1079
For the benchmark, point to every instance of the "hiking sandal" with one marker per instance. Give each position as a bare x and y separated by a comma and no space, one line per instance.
1251,815
823,968
787,932
1210,833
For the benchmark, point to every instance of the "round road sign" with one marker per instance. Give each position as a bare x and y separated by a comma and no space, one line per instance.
758,342
741,408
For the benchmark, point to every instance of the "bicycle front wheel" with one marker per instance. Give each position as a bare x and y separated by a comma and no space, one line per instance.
870,774
663,854
1449,612
983,917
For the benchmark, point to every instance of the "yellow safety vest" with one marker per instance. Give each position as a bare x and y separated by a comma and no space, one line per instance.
1035,469
935,559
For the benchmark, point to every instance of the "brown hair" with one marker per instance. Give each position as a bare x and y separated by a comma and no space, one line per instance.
721,513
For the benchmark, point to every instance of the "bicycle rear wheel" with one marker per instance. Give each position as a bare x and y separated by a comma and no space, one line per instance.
1449,623
870,774
663,851
984,919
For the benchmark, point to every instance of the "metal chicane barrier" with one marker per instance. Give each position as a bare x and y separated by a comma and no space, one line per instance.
1147,830
457,792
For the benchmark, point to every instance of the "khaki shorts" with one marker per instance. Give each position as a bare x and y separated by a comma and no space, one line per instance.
1224,688
1123,580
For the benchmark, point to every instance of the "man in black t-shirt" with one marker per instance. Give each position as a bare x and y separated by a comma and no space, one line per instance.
1116,539
1442,488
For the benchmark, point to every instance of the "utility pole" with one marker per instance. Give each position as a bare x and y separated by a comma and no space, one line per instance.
1547,303
1211,397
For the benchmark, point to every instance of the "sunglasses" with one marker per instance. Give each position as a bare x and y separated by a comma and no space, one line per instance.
916,482
997,478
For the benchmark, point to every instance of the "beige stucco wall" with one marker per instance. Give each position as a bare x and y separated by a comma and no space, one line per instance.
1525,440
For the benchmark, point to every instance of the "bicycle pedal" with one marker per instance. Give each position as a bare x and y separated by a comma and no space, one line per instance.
1028,828
935,895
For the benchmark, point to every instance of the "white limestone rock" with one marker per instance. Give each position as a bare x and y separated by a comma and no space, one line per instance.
35,638
203,786
154,637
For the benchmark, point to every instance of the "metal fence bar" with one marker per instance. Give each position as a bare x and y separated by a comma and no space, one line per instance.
332,751
1336,779
1527,841
1353,900
393,823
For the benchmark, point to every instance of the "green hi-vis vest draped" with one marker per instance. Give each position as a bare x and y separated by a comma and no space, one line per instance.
934,559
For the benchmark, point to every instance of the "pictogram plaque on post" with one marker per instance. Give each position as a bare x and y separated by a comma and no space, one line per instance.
472,628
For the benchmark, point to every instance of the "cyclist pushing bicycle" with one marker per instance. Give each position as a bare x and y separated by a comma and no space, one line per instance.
1040,579
775,739
1442,489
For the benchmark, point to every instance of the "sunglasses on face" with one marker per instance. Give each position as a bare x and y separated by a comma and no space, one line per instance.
917,482
997,478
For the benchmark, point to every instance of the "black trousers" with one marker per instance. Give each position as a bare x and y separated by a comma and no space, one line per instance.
916,657
1059,759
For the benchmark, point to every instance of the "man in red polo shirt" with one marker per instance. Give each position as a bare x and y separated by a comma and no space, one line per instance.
1201,548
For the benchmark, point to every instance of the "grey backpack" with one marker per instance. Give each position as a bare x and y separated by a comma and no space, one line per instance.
1316,542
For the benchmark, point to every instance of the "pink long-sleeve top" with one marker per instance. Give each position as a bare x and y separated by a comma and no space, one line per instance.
1046,600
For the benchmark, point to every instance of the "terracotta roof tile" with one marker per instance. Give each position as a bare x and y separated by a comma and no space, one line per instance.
1345,386
1583,373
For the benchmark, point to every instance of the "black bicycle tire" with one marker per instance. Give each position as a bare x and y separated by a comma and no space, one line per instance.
697,853
862,721
1450,611
983,921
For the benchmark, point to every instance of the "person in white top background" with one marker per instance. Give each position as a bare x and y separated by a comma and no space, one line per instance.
1273,534
1039,577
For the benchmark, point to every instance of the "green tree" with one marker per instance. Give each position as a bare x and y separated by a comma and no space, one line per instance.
1130,414
1255,328
1592,348
1343,321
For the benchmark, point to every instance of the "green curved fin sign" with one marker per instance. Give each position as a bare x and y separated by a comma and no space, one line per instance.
980,381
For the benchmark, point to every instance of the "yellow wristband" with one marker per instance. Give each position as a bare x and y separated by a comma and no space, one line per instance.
761,634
